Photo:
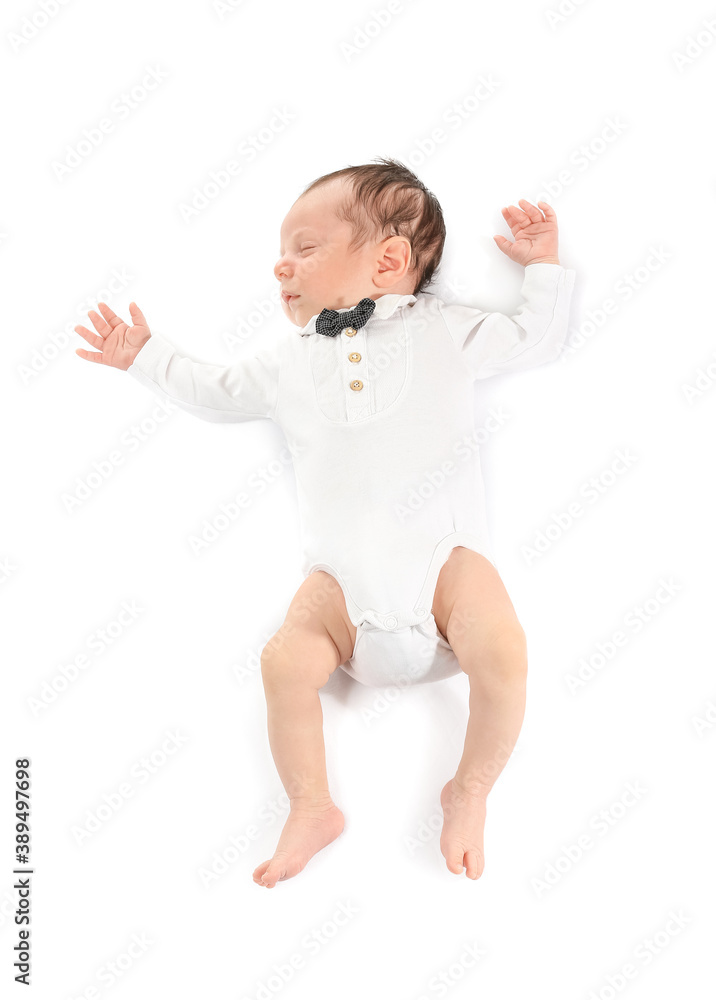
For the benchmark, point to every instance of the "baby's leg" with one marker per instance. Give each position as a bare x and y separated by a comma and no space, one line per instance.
316,637
476,616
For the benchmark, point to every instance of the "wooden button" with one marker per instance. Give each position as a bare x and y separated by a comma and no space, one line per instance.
357,385
355,357
350,332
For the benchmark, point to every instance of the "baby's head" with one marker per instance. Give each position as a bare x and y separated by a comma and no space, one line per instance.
358,232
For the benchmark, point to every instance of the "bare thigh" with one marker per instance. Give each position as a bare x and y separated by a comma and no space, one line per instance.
471,600
317,635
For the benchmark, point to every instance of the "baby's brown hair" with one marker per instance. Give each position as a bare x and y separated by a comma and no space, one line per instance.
387,199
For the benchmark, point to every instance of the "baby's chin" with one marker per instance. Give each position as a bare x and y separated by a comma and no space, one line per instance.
297,316
292,314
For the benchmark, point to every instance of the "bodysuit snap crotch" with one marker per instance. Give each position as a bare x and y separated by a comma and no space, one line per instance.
415,654
402,646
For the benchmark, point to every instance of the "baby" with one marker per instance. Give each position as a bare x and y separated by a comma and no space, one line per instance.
374,393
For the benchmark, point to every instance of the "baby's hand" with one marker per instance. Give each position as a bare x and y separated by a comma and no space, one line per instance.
118,342
535,235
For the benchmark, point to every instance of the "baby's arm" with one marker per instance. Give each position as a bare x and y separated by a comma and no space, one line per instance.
244,390
492,343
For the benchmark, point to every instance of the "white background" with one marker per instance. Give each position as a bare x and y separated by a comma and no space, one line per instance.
594,112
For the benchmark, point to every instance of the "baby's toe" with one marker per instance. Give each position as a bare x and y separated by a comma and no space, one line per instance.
454,862
278,868
258,872
474,864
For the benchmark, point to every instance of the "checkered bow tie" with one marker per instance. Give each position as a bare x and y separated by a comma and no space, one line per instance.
330,322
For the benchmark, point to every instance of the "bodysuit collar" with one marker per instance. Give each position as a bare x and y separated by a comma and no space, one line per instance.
385,306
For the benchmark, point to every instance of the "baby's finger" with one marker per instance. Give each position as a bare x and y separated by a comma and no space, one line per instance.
137,315
510,217
516,218
90,337
100,325
112,318
549,212
88,355
530,210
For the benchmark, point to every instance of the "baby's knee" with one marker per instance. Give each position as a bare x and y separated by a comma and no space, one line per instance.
298,656
276,657
496,649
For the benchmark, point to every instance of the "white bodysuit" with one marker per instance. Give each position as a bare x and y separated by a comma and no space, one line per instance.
380,425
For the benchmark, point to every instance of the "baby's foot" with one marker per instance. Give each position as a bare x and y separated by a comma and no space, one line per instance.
461,840
307,830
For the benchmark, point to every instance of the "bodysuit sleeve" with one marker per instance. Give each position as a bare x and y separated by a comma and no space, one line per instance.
492,343
244,390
